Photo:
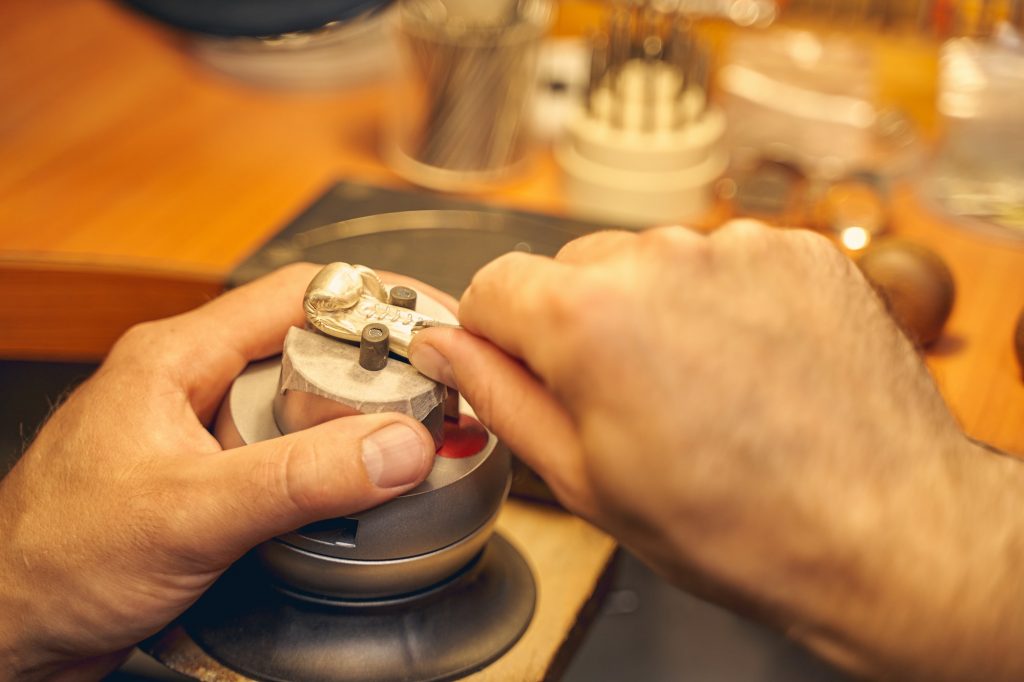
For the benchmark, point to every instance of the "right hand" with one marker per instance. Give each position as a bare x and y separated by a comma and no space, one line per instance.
741,411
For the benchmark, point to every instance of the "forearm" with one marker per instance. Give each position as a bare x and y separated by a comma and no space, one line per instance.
936,592
914,573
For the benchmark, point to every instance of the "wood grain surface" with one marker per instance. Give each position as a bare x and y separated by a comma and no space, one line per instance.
114,144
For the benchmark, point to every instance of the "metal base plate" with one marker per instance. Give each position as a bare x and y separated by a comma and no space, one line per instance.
444,246
454,630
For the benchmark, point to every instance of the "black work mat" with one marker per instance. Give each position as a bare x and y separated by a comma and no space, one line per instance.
444,252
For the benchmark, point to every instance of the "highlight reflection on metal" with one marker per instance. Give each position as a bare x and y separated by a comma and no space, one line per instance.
343,298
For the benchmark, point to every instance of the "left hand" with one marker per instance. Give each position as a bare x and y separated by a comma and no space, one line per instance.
125,508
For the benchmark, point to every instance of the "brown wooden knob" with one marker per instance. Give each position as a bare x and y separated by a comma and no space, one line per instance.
916,284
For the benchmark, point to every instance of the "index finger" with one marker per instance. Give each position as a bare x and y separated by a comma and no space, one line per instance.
518,302
595,246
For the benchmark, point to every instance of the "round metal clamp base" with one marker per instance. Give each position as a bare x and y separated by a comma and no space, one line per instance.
446,633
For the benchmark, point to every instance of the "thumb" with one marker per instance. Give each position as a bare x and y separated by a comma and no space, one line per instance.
253,493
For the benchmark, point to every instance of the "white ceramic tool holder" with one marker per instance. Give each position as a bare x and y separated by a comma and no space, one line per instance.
645,151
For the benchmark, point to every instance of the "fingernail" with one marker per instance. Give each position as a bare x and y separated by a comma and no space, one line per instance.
394,455
429,361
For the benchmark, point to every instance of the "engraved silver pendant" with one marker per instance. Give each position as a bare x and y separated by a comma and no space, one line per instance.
342,299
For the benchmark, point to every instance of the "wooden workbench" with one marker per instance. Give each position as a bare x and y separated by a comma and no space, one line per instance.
132,181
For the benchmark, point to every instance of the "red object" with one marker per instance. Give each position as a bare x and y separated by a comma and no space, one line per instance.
462,439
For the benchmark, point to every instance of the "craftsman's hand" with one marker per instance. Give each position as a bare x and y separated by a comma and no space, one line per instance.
125,509
740,410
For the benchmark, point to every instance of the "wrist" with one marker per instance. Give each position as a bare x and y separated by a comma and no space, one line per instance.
24,659
26,601
38,638
15,645
938,572
13,607
988,611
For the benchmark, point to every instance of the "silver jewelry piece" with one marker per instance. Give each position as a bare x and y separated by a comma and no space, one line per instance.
342,299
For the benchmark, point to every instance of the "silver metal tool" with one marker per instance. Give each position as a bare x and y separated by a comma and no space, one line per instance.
424,535
461,117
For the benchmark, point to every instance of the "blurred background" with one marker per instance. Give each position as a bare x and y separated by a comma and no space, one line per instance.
153,152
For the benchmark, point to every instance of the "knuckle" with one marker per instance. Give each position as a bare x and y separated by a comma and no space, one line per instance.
672,234
300,272
577,315
807,239
570,247
745,240
492,277
817,248
483,401
141,352
745,231
300,477
563,304
594,244
297,268
137,338
166,345
570,308
675,239
505,262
